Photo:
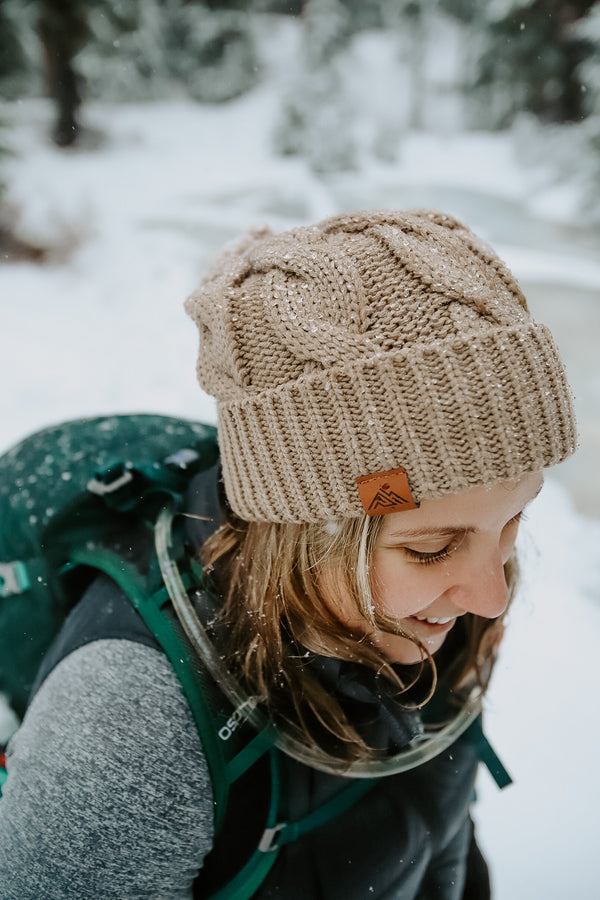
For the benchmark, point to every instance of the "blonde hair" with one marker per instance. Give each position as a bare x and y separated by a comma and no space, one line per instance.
284,587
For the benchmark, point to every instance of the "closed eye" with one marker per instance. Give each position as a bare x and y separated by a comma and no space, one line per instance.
427,559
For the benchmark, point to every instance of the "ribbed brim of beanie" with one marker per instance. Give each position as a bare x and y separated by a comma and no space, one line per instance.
371,342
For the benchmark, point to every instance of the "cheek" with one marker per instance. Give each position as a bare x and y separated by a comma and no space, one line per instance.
401,589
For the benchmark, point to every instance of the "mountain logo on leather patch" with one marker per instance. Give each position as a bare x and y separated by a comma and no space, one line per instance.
385,492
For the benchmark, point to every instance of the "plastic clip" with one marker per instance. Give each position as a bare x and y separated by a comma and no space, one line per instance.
182,459
268,840
13,579
102,487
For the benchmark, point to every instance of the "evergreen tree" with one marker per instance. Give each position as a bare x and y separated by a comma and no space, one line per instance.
126,56
588,29
281,7
366,15
316,117
18,44
125,50
12,57
142,49
213,52
589,71
529,61
409,19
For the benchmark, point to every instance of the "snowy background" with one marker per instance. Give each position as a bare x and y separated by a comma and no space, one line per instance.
131,214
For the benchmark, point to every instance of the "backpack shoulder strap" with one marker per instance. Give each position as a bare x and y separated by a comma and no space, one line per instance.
278,833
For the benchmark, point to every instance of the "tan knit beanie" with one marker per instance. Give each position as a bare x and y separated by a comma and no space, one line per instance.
370,343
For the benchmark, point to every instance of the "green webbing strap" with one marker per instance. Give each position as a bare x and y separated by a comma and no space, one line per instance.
251,876
486,753
178,655
291,831
249,754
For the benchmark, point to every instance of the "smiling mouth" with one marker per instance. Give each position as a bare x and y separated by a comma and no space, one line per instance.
433,624
434,620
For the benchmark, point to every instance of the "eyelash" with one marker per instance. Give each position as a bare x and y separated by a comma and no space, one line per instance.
428,559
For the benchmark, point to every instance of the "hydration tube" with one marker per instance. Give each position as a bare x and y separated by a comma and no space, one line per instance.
430,746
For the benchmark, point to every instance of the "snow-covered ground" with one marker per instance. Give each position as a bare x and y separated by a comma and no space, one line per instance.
134,214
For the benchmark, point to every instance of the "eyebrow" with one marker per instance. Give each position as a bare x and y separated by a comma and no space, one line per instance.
448,530
443,531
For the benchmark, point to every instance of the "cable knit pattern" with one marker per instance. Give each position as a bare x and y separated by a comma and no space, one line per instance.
371,341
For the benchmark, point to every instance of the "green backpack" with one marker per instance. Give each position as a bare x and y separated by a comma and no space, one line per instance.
67,494
61,491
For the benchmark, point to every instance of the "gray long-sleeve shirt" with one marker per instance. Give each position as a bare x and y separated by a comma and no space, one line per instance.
108,794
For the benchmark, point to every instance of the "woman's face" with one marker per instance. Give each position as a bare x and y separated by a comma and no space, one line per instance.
436,563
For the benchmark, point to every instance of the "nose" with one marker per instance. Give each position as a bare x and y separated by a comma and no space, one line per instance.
482,587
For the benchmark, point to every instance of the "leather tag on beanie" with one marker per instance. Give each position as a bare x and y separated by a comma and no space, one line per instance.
385,492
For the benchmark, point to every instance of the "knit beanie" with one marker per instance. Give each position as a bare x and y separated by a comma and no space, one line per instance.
370,362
